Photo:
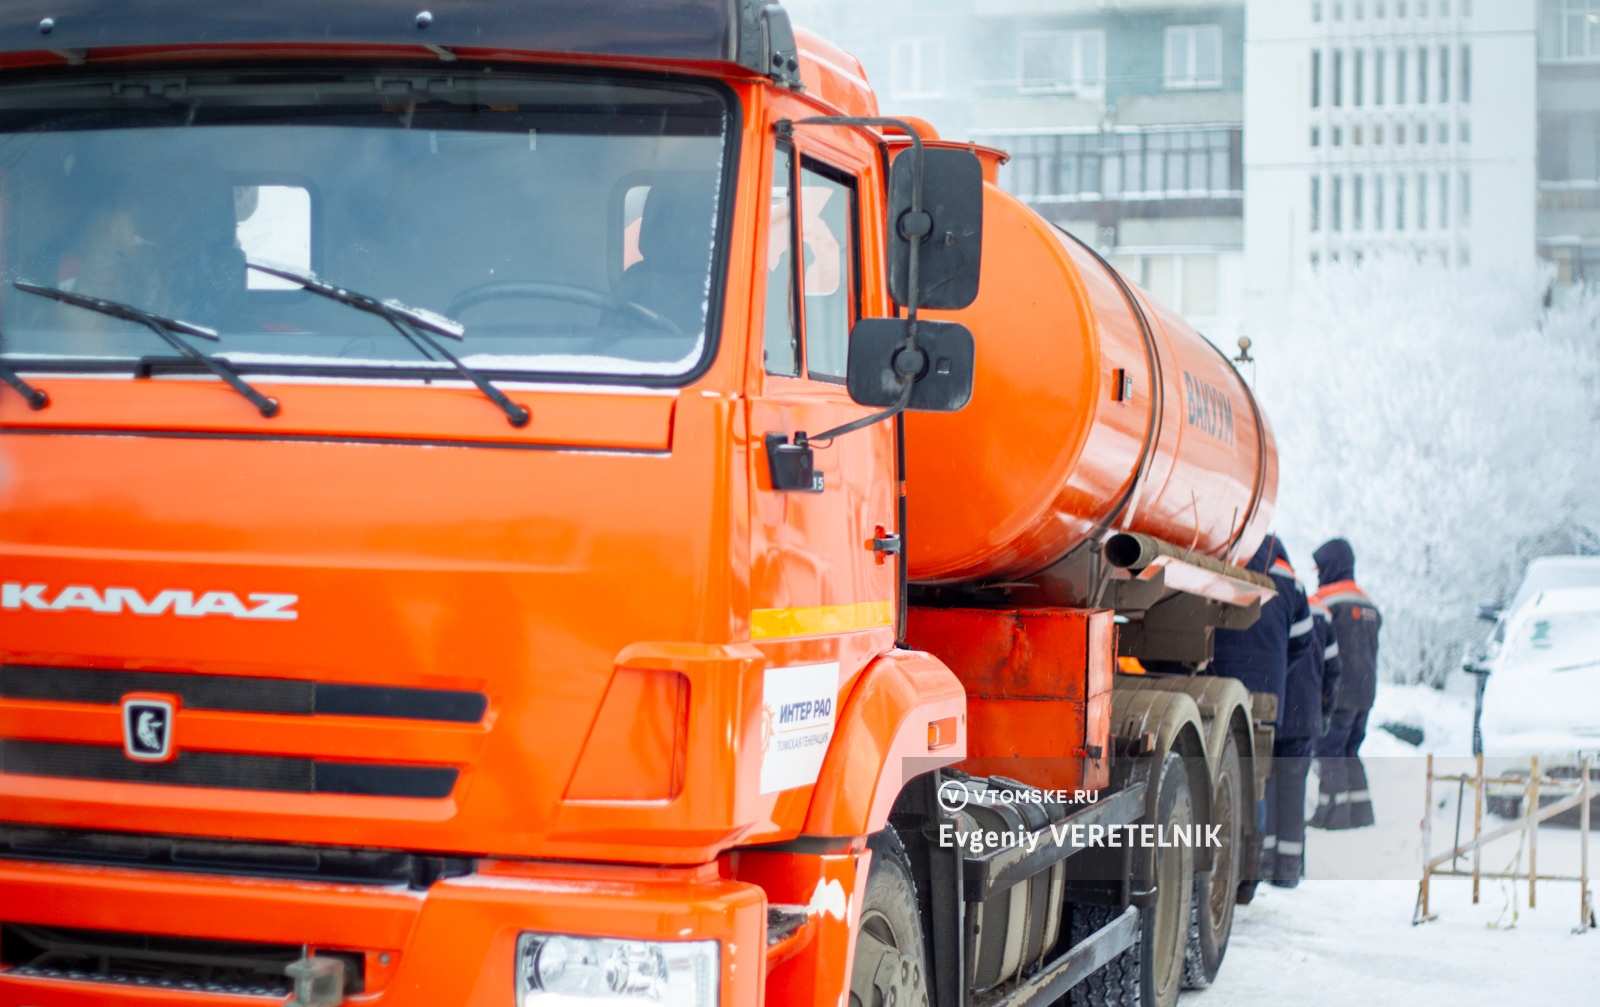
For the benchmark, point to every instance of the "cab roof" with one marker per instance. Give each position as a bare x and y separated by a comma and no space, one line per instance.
654,29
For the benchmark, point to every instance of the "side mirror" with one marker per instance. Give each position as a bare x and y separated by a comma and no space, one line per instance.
940,367
1489,613
949,231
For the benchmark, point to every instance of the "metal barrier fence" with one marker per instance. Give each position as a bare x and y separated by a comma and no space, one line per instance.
1579,794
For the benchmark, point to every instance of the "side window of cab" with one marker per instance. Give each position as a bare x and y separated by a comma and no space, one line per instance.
828,235
812,269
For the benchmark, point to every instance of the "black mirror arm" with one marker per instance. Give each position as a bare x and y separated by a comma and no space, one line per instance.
801,439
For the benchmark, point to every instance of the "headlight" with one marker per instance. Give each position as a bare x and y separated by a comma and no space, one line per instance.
554,970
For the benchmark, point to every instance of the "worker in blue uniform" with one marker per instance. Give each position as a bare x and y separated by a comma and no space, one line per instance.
1260,657
1344,801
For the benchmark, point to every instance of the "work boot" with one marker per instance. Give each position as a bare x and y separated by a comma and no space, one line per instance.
1245,893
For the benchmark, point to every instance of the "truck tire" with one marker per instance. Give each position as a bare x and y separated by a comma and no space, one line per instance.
1150,973
1166,925
1211,918
1116,984
890,966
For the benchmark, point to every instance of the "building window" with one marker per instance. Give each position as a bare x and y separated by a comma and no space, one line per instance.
1465,131
917,67
1466,198
1399,76
1316,203
1422,201
1316,10
1377,75
1569,148
1338,136
1399,202
1336,207
1316,78
1400,8
1359,77
1444,132
1338,78
1422,132
1338,10
1422,75
1444,199
1377,9
1194,56
1377,135
1569,29
1377,202
1466,74
1125,164
1399,132
1358,11
1316,136
1356,209
1444,73
1355,135
1199,285
1063,61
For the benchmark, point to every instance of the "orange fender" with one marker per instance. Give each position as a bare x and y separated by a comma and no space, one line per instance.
906,716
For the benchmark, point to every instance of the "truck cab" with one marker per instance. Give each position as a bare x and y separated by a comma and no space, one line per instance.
362,666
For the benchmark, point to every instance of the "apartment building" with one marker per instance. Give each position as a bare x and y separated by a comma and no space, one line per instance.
1569,139
1386,126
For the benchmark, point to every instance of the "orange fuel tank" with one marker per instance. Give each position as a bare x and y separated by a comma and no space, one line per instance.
1094,409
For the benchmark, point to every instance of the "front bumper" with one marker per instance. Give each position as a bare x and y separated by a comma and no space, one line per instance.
453,944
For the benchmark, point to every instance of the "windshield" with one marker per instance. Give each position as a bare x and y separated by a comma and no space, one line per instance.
1559,641
568,224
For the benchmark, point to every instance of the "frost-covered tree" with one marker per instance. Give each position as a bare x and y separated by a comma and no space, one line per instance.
1446,423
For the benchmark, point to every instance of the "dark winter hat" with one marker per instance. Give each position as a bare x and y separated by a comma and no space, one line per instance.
1335,560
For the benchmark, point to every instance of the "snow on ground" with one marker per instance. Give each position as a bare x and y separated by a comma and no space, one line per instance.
1347,938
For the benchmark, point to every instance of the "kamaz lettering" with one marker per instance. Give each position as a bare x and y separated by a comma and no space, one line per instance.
116,600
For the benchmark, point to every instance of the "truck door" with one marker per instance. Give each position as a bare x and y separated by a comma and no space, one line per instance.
820,595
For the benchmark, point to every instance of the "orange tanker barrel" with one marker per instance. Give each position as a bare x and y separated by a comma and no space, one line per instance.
1086,418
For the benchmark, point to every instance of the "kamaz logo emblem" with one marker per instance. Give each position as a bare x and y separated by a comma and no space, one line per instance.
116,600
147,729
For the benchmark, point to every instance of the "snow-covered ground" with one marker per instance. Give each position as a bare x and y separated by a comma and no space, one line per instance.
1350,941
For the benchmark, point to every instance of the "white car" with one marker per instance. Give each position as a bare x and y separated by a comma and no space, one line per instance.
1542,696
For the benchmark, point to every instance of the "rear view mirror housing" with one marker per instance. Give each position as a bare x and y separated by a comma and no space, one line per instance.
948,231
1489,613
940,366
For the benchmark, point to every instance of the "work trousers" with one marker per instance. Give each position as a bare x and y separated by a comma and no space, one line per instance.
1284,844
1343,800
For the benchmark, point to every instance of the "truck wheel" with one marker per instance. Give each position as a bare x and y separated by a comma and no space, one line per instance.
1211,919
1115,984
890,967
1149,974
1166,925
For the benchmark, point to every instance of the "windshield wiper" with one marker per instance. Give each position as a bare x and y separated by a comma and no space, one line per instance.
36,398
171,330
414,324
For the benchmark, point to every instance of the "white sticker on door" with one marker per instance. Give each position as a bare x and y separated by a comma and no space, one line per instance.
797,717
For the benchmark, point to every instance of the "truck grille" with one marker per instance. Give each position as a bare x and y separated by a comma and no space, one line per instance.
301,861
285,774
161,962
242,694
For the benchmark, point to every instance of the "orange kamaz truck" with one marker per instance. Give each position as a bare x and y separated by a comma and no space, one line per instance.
552,503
